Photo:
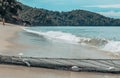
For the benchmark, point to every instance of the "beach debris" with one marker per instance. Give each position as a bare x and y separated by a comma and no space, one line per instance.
20,54
75,68
110,68
26,62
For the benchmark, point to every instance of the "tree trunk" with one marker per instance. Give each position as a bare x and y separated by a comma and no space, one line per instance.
3,20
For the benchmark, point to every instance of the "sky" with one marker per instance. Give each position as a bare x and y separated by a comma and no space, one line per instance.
109,8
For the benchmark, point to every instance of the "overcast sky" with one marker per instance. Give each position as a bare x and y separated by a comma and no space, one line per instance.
110,8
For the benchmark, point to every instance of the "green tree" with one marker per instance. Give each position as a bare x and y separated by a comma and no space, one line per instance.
9,7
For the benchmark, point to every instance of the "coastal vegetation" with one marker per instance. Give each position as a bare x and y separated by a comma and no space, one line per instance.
9,9
42,17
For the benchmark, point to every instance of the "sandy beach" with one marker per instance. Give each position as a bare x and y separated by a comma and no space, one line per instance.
25,72
7,36
7,33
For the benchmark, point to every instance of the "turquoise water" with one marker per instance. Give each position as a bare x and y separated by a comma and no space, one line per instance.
104,38
110,33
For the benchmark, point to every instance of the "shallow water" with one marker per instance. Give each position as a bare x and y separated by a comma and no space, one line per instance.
105,38
68,42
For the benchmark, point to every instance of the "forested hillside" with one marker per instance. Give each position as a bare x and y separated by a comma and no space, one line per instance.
43,17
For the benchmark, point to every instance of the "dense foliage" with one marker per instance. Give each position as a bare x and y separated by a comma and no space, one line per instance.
9,9
42,17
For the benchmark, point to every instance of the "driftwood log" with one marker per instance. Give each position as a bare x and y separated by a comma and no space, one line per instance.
89,65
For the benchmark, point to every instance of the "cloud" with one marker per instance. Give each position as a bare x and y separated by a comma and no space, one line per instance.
105,6
112,14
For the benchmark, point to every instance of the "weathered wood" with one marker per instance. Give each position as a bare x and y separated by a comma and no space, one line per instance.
89,65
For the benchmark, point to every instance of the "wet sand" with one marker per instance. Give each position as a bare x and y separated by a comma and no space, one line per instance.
7,32
9,46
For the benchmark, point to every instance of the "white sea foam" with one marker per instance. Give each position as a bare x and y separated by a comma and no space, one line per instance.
112,46
59,35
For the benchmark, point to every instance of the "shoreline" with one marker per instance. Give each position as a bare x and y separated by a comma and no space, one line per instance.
8,33
11,31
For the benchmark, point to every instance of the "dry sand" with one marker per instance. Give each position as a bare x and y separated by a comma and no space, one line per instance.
25,72
7,32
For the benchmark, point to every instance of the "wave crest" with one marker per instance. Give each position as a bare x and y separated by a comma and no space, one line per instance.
95,42
113,46
107,45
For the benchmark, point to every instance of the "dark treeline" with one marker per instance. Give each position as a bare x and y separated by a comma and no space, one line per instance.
43,17
9,10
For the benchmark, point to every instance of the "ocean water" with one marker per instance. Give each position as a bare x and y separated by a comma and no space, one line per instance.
69,42
105,38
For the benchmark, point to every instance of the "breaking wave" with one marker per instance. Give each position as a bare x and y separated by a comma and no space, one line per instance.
107,45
